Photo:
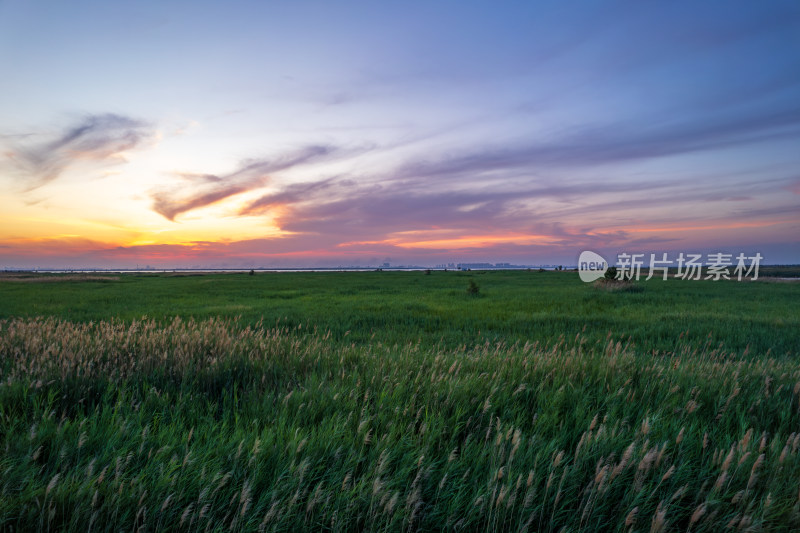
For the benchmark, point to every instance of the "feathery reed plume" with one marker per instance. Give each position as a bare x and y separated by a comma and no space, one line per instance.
630,519
659,523
52,484
697,514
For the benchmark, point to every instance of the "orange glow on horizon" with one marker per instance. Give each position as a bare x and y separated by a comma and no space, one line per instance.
114,225
455,242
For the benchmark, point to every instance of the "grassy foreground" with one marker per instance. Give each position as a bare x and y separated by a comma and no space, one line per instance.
224,424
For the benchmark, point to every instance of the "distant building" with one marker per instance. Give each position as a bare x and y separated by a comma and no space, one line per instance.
463,266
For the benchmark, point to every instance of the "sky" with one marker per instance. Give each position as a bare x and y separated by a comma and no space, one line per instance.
278,134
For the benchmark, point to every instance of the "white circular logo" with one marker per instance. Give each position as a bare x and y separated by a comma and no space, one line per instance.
591,266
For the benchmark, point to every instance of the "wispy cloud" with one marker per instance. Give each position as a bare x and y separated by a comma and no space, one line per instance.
101,138
523,189
200,190
507,186
614,143
291,194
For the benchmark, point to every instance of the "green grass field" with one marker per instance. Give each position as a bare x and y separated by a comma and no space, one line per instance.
399,307
396,401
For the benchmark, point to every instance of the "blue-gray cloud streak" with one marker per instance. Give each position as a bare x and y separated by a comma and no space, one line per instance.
96,138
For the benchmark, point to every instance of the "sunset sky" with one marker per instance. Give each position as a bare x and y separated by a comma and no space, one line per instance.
247,134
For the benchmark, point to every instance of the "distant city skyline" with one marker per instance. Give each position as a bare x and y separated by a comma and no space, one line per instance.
313,134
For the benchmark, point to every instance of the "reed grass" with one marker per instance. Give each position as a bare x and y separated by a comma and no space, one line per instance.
221,424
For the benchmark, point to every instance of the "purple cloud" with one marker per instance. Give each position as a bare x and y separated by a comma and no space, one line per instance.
205,189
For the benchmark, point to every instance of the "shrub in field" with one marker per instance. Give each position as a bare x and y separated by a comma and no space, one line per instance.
472,288
612,284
